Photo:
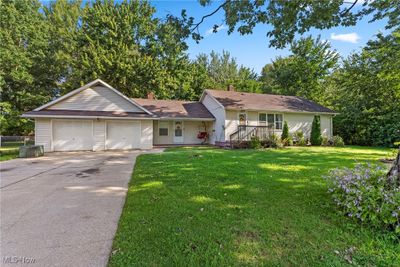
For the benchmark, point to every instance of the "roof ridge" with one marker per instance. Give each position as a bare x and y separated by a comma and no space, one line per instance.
171,100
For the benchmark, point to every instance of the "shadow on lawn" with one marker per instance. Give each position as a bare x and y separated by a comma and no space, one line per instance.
250,207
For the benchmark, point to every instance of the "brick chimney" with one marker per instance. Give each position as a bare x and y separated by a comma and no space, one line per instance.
150,95
231,88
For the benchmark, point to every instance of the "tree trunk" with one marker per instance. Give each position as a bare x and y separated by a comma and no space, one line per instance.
395,169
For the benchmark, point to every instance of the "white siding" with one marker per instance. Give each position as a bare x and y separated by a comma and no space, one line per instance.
190,131
296,122
99,135
326,125
162,140
43,133
218,111
231,123
303,122
146,141
96,99
252,118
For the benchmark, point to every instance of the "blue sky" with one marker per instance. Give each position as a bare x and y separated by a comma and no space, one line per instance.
253,50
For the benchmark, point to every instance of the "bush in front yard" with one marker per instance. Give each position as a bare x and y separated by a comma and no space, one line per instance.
326,141
316,138
302,142
255,142
337,141
366,194
287,141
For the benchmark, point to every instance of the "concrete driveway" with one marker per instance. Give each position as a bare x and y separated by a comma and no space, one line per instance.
62,209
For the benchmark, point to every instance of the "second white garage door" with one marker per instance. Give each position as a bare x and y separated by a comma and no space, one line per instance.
123,135
70,135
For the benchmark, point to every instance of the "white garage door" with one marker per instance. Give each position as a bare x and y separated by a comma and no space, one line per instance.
123,135
70,135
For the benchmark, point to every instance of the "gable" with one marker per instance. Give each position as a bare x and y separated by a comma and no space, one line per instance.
96,98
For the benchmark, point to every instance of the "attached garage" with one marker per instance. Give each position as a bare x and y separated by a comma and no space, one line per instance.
94,117
72,135
123,134
93,134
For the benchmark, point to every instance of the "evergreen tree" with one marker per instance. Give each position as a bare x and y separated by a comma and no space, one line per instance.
285,131
316,138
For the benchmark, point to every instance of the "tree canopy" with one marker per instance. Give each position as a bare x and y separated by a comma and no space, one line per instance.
289,18
301,72
366,92
50,49
222,70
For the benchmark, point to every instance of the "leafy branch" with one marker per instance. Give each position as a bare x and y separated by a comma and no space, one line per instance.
196,25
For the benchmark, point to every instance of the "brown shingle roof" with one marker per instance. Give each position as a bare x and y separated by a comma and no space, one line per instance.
87,113
175,108
252,101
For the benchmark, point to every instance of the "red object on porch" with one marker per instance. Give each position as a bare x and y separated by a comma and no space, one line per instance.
202,135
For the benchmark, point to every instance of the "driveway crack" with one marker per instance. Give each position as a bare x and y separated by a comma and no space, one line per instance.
32,176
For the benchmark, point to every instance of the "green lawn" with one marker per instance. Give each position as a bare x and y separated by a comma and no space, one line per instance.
8,152
214,207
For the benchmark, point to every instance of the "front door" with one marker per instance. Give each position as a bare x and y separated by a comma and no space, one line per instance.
178,132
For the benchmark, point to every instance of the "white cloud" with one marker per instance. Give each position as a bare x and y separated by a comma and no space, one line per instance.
211,30
346,37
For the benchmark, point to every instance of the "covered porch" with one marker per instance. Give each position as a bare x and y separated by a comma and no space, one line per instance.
167,132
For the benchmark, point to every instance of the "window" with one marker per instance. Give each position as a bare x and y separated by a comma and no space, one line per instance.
278,121
242,118
270,121
163,128
262,119
273,121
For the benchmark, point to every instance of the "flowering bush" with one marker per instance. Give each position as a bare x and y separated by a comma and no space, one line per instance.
337,141
366,194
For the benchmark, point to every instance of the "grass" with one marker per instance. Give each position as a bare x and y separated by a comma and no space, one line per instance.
214,207
10,150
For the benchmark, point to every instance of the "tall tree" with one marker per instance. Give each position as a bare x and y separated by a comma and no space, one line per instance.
221,70
366,92
25,81
303,71
63,18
